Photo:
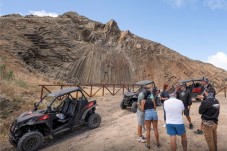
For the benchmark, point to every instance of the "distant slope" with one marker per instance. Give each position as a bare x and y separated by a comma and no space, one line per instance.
73,48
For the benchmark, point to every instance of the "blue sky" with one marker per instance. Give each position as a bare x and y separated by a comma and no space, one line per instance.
195,28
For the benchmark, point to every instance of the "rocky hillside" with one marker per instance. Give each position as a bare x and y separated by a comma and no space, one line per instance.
76,49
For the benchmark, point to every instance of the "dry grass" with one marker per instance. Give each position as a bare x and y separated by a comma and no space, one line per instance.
19,90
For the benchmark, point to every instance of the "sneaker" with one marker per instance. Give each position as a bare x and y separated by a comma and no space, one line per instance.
141,140
164,125
198,132
191,126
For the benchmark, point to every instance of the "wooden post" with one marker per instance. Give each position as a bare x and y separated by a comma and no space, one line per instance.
103,90
41,92
113,88
225,91
91,91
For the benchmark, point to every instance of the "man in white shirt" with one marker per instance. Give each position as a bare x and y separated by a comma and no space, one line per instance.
174,121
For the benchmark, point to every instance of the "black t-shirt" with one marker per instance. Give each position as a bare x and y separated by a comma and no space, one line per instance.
209,109
164,94
148,104
185,97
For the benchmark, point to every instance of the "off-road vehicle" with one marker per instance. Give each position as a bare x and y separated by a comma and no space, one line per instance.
195,87
130,98
55,113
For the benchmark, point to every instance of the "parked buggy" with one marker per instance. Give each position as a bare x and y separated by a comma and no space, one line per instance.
130,98
55,113
195,87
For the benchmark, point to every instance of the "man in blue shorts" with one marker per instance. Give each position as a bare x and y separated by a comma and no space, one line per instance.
174,121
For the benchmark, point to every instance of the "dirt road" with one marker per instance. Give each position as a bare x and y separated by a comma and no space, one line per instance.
118,131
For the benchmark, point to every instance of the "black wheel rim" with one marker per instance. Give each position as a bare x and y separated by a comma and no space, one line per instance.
31,143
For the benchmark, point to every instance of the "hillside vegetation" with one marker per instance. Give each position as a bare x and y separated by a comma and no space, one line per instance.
18,90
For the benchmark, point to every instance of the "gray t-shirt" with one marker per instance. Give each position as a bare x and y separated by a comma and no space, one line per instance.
140,97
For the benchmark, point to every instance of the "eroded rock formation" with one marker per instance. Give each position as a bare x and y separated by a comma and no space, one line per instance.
73,48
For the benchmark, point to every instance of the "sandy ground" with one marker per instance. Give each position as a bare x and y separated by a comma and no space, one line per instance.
118,131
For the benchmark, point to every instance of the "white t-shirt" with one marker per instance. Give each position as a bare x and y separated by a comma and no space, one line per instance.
174,108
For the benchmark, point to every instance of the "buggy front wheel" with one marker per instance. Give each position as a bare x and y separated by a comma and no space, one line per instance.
30,141
122,105
134,107
94,121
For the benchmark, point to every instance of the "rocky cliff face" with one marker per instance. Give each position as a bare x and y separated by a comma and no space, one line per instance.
73,48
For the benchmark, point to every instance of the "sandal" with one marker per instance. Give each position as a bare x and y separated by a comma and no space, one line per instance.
148,146
158,145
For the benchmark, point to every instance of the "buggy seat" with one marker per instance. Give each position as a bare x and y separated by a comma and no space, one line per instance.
68,109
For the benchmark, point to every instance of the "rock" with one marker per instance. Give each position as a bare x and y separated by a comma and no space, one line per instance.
75,49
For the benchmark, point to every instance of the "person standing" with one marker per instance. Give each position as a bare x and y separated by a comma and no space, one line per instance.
164,96
185,96
174,121
209,110
206,84
149,107
140,114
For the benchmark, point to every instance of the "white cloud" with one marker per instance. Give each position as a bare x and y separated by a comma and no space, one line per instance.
216,4
219,60
43,13
176,3
212,4
179,3
182,3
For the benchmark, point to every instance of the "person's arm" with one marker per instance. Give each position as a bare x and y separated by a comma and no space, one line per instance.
153,100
163,96
201,97
142,105
182,105
154,104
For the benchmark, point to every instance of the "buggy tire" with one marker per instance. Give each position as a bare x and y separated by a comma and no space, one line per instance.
94,121
122,105
134,107
30,141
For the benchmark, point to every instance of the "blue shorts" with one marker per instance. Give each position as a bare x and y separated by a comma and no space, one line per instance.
151,115
175,129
